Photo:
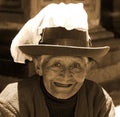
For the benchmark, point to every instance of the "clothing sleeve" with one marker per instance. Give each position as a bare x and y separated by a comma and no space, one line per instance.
7,111
9,101
100,103
107,107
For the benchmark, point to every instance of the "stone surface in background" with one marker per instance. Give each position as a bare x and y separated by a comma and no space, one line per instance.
109,67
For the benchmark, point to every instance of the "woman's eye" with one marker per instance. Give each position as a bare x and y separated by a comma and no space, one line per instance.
76,65
57,65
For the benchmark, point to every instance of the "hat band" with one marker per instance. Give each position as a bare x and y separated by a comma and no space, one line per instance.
61,36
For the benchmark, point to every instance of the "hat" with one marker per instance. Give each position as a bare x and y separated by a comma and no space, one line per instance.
58,29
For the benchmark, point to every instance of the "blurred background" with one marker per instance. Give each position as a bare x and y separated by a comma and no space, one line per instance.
104,29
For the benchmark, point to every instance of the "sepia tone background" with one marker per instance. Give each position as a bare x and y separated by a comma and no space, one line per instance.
104,28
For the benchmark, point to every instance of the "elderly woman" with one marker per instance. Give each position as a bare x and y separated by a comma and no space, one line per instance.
58,42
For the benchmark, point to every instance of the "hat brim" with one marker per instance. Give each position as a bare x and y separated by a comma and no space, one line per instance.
47,49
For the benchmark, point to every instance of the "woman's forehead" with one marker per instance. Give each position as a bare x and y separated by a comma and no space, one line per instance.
51,57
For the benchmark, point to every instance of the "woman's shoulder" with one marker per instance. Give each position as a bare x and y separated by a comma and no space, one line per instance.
93,89
18,93
96,90
22,86
92,85
29,82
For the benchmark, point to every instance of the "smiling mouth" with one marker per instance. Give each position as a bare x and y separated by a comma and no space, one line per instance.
62,85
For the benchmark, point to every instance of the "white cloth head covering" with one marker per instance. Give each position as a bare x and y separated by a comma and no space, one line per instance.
70,16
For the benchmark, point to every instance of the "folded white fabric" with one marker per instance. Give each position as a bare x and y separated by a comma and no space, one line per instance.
70,16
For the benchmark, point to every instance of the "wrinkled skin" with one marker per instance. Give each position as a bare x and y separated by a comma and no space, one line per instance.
63,76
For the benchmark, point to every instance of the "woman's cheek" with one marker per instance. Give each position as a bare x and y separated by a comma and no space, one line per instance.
49,74
79,77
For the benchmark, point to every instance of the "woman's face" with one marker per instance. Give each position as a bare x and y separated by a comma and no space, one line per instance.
63,76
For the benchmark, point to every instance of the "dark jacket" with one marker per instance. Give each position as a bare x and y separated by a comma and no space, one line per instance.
26,99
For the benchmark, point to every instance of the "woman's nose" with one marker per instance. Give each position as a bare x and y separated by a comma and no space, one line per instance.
66,74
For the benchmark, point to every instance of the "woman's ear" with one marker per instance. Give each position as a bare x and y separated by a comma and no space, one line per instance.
91,63
38,66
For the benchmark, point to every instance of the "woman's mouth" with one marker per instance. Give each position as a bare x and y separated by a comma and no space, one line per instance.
62,85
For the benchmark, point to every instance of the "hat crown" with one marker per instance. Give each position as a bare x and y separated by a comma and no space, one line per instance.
61,36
